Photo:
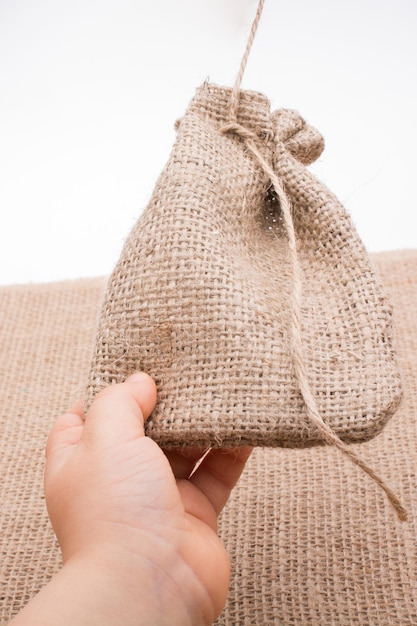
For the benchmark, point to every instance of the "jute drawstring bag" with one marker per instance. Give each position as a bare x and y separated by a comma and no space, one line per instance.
245,291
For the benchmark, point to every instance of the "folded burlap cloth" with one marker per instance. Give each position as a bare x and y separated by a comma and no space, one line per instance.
245,291
310,538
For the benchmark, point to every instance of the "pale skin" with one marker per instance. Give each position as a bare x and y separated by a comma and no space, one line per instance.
136,526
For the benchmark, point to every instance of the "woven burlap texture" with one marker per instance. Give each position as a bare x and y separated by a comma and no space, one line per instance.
312,540
201,295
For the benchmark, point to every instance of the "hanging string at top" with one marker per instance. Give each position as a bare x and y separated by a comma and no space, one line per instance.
234,101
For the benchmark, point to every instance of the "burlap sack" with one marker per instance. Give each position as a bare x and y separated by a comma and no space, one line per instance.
311,540
202,297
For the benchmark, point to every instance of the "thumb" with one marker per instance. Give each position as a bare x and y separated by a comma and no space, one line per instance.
119,411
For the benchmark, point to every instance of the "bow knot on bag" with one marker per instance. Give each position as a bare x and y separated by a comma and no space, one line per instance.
302,141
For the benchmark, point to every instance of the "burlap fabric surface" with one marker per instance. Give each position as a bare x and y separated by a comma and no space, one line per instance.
312,539
201,296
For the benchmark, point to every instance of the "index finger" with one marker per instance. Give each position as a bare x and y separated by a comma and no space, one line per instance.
218,474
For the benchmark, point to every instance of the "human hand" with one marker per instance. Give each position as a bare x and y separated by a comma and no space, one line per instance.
137,520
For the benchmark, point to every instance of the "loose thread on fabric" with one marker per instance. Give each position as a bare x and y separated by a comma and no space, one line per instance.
328,435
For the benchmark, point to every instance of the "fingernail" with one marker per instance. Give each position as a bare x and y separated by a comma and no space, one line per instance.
137,377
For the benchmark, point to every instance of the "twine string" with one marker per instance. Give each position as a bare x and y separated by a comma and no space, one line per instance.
327,434
234,100
313,413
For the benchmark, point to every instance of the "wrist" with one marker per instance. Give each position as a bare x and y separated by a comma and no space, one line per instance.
139,589
111,587
154,566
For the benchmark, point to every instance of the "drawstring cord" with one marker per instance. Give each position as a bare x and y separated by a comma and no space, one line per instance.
327,434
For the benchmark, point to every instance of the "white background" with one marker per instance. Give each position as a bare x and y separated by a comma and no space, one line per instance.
90,90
